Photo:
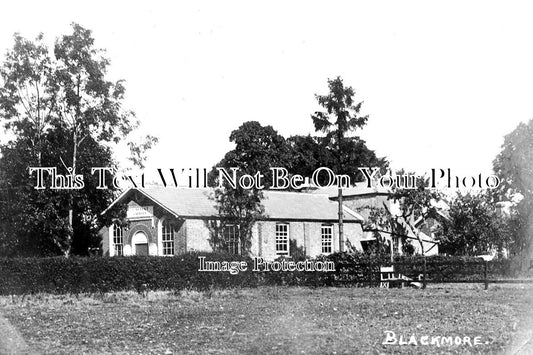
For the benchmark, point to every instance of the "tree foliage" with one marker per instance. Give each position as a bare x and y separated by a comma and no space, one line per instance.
474,227
257,149
404,214
309,153
63,113
341,118
26,99
35,222
342,115
415,206
514,166
138,150
239,208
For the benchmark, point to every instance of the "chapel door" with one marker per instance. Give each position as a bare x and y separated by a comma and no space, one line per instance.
141,249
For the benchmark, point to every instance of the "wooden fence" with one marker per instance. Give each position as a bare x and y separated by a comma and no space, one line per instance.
482,272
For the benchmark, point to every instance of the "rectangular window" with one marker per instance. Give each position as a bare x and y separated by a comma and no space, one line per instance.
168,238
395,245
231,239
282,239
326,232
118,239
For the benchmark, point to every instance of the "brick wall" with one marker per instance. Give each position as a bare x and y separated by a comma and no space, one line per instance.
193,235
104,234
197,235
180,238
353,232
145,226
306,236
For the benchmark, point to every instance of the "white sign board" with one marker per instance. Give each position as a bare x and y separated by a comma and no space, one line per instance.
136,211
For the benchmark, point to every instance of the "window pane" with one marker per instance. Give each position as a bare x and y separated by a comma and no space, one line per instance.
118,239
168,238
282,239
231,239
327,238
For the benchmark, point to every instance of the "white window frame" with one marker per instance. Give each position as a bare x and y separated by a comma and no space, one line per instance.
395,245
118,239
282,239
231,239
167,238
326,238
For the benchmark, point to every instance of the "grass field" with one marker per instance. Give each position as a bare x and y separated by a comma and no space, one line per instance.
276,320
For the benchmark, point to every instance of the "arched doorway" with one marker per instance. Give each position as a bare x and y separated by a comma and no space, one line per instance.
139,244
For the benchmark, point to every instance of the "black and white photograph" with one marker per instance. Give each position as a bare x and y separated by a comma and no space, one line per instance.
282,177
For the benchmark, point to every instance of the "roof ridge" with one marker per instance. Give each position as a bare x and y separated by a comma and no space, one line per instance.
296,193
212,189
278,204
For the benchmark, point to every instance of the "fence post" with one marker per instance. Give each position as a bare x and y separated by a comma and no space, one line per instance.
485,276
424,282
371,274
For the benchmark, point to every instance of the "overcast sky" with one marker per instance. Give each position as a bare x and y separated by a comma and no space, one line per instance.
442,83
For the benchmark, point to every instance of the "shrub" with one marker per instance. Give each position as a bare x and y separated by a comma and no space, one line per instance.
104,274
144,273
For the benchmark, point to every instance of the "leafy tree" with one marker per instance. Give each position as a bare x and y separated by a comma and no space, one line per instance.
35,222
60,110
239,208
310,153
26,101
257,149
413,207
474,227
514,167
87,105
381,222
340,118
138,150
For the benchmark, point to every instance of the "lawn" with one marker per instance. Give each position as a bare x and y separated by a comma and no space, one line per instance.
276,320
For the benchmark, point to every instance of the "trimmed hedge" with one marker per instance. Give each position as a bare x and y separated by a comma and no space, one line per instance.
453,268
105,274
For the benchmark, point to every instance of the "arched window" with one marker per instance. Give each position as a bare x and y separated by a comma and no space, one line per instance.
118,239
168,238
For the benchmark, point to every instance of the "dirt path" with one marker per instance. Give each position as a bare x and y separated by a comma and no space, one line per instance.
522,343
523,339
11,342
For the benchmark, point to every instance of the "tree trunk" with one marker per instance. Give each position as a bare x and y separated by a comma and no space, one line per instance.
391,249
39,128
70,234
424,282
425,275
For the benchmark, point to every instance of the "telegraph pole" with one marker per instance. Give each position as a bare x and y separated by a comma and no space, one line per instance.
341,227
